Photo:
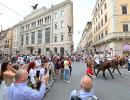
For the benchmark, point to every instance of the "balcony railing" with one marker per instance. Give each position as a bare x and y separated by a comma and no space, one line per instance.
112,36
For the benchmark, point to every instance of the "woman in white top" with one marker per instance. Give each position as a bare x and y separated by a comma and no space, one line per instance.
32,74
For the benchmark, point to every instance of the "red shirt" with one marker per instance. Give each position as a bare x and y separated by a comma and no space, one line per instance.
69,62
89,71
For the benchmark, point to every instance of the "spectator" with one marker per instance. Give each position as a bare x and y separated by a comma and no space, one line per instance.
20,91
85,92
32,74
66,65
38,67
7,75
129,64
90,71
69,60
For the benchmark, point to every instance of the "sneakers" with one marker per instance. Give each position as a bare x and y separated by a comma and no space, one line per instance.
67,81
95,97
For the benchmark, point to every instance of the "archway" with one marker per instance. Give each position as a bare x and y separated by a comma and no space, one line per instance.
62,50
39,51
55,50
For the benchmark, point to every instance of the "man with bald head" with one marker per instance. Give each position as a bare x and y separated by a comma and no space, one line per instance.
19,90
85,92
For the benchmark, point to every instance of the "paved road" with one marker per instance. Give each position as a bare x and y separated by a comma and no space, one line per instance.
110,89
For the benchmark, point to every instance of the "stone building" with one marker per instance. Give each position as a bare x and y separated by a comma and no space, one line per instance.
45,31
110,29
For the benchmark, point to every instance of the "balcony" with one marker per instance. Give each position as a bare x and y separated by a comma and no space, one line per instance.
112,36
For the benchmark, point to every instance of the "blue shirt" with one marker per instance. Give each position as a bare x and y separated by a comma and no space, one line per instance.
83,95
22,91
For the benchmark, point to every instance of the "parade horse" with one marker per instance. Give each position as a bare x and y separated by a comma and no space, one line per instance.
114,64
122,61
105,65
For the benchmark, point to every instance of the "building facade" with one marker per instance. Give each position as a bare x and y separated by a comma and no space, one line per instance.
6,40
45,31
111,27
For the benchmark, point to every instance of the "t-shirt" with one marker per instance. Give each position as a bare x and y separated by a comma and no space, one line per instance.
42,71
66,64
129,60
96,57
32,73
89,71
38,62
109,57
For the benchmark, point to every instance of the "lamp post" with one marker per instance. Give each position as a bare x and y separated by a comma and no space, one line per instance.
69,30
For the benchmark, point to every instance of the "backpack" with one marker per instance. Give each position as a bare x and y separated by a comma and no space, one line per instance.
77,97
60,63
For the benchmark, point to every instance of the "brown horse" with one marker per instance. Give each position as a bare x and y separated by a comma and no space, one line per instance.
105,65
122,61
114,65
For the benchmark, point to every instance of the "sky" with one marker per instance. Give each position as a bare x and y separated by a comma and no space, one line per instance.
82,10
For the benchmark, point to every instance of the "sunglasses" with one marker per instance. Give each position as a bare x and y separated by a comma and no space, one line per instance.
10,64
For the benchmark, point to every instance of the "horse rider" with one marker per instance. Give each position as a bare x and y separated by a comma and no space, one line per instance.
101,57
96,57
109,57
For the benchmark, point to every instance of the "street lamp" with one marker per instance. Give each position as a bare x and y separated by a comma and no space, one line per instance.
69,30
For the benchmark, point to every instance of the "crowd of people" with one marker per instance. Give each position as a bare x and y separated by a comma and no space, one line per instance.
28,77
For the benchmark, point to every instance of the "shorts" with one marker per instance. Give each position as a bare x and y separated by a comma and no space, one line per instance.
37,74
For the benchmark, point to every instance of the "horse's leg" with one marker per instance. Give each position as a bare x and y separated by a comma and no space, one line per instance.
104,74
119,71
98,72
94,71
113,71
110,73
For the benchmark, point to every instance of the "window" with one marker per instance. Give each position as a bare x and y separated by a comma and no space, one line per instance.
99,36
105,6
27,27
33,24
22,28
62,37
98,16
105,18
102,35
39,36
55,25
56,15
55,39
22,39
102,22
47,35
33,38
124,9
62,24
27,38
101,11
98,25
106,32
125,27
62,13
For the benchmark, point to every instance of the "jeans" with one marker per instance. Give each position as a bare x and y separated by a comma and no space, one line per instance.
66,74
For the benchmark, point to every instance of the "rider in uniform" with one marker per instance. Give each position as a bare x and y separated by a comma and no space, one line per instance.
96,57
109,57
101,57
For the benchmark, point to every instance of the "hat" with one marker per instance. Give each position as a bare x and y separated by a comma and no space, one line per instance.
101,52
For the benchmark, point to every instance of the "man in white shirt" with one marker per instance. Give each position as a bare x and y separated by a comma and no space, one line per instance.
38,67
109,57
101,58
96,58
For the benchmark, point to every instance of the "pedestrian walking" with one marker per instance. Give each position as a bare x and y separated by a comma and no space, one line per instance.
66,65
